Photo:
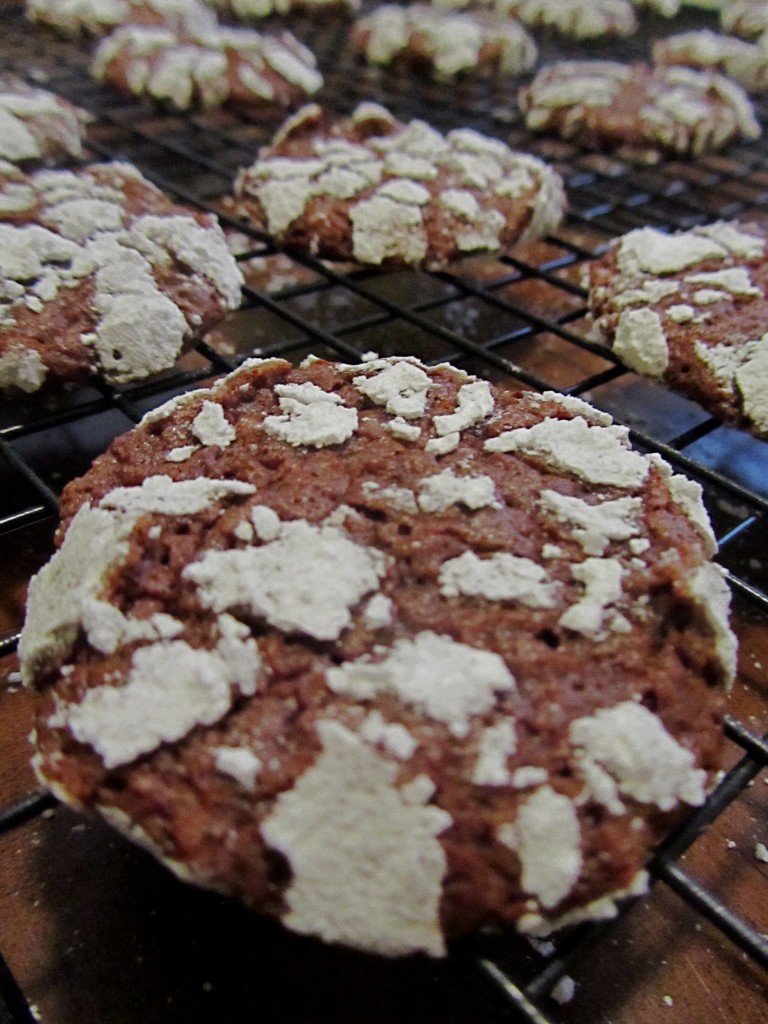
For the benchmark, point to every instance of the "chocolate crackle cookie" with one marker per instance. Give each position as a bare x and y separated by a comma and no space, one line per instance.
383,652
98,17
370,189
82,252
642,112
36,126
233,66
445,42
579,19
746,63
692,309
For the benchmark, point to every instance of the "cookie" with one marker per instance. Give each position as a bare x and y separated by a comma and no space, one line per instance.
237,67
36,126
691,309
246,9
746,63
82,252
745,18
383,652
639,111
446,43
99,17
370,189
579,19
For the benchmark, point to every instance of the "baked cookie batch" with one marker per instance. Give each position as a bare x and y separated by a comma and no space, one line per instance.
382,651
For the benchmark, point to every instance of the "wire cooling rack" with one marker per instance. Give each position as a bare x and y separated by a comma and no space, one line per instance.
519,321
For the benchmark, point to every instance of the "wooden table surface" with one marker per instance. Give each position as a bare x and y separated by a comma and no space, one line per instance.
95,932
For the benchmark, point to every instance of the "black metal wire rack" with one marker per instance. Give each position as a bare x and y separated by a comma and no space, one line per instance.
518,320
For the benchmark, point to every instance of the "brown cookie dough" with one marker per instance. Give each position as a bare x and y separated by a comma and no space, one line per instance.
36,126
233,66
579,19
98,17
446,43
642,112
383,652
373,190
692,309
102,276
746,63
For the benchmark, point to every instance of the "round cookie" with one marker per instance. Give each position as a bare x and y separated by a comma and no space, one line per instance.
446,43
746,63
80,253
233,66
642,112
692,309
98,17
36,126
382,651
579,19
370,189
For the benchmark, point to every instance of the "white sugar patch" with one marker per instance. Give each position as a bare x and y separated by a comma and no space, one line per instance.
164,496
171,688
366,865
449,681
240,763
307,580
475,403
500,577
393,736
713,596
211,427
439,492
547,838
626,750
597,454
602,582
95,542
496,745
594,526
400,387
311,417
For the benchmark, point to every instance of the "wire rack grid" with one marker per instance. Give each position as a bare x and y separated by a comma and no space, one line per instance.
519,320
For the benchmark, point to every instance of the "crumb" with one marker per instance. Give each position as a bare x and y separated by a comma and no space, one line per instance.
564,990
731,844
542,946
667,1000
761,852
